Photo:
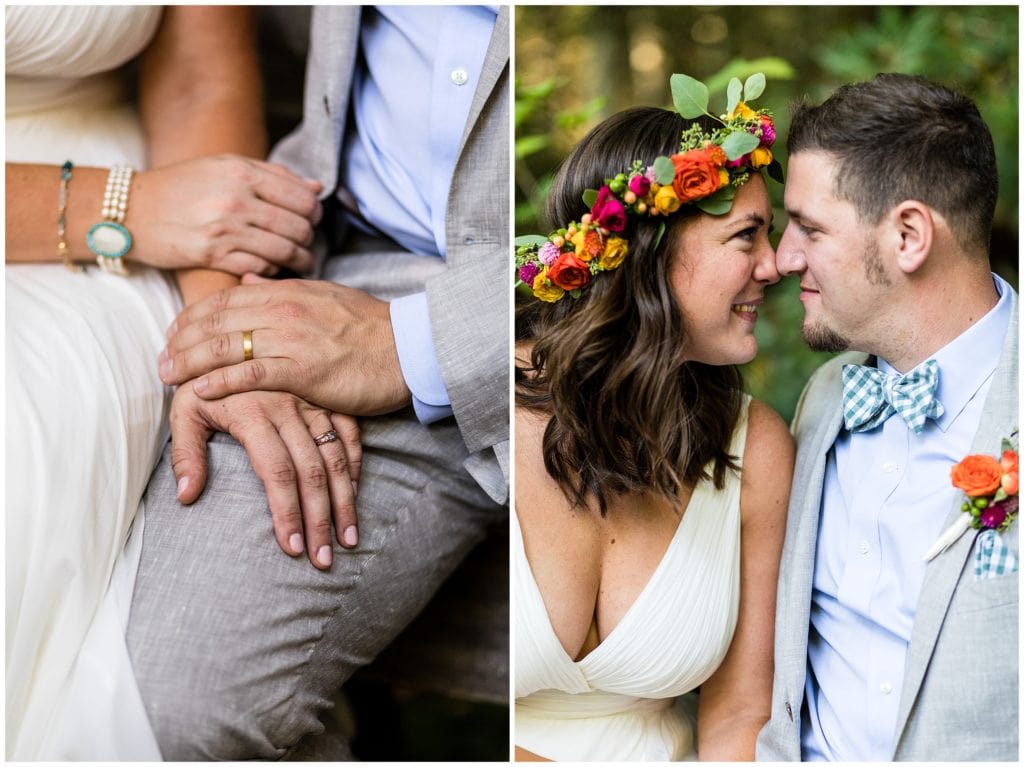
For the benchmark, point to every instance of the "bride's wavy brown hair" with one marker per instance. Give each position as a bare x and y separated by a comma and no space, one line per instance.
626,413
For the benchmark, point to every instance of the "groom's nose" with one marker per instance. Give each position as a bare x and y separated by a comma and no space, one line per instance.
789,256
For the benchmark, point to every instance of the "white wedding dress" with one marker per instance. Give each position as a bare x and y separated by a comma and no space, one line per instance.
630,699
86,412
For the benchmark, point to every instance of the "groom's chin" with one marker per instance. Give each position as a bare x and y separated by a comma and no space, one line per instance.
823,339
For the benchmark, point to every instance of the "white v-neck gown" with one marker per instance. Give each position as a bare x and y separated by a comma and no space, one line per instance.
628,699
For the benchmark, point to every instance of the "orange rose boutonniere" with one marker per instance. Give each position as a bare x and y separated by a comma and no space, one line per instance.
991,485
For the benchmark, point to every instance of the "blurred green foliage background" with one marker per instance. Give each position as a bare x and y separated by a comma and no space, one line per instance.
575,65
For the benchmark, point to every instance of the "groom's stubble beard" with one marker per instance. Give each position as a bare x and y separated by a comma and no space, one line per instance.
822,338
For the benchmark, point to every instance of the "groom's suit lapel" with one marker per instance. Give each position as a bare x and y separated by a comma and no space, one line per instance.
815,427
942,575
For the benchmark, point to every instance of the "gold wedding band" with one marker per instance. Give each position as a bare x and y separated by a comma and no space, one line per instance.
247,344
327,436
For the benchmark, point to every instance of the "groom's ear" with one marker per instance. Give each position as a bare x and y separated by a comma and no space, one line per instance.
913,225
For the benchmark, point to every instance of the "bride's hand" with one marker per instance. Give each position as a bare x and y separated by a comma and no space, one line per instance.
223,212
308,485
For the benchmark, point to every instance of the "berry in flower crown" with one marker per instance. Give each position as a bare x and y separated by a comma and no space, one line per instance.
705,173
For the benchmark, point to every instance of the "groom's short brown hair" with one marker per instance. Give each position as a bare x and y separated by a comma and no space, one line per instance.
900,137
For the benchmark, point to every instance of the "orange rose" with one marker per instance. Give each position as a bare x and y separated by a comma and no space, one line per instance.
696,175
977,475
569,272
1011,472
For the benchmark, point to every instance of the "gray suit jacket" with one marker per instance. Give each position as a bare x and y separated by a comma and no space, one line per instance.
469,303
959,700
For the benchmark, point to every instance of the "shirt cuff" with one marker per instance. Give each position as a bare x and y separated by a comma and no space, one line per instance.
410,323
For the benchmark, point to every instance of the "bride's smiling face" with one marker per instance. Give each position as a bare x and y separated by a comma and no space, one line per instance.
719,271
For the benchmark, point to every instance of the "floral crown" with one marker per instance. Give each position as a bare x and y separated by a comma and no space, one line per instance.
705,173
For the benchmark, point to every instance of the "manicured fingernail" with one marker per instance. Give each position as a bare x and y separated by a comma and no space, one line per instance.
200,386
296,543
355,487
323,556
172,329
182,486
163,355
350,536
166,367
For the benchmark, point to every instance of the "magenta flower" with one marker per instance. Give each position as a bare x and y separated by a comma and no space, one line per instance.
528,272
767,131
608,211
993,516
639,185
548,253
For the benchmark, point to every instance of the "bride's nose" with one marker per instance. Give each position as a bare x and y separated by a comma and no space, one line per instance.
764,267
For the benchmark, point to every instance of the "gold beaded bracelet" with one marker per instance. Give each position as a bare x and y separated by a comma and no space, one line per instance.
62,211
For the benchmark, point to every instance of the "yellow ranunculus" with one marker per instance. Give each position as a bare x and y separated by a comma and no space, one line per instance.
760,157
546,290
743,111
723,177
666,200
615,250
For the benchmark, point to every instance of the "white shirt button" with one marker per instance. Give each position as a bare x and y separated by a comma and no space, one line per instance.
889,467
460,76
863,548
885,687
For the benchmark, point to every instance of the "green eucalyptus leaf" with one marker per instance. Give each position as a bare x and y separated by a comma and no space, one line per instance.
714,207
689,96
754,86
664,170
735,93
739,143
529,239
590,197
775,172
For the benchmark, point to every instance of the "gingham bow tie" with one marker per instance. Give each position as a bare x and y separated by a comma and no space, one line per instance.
870,396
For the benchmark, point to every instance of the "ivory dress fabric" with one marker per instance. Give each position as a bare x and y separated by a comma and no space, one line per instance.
627,699
86,412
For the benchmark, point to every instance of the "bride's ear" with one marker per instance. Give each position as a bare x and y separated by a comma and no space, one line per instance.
914,225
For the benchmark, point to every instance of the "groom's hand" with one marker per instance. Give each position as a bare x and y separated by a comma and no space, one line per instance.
307,485
326,343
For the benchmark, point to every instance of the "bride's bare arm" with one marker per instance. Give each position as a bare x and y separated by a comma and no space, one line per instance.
200,94
196,206
736,701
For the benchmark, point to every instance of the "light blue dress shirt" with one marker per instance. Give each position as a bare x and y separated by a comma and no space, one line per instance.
886,498
414,85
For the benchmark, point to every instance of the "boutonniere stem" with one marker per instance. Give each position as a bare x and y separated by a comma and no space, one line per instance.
949,537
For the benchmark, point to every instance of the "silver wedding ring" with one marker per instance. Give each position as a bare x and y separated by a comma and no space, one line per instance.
327,436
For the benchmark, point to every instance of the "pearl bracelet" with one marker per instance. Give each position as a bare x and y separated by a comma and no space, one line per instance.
108,239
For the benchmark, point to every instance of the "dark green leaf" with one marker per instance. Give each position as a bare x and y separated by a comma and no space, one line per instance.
590,197
775,172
